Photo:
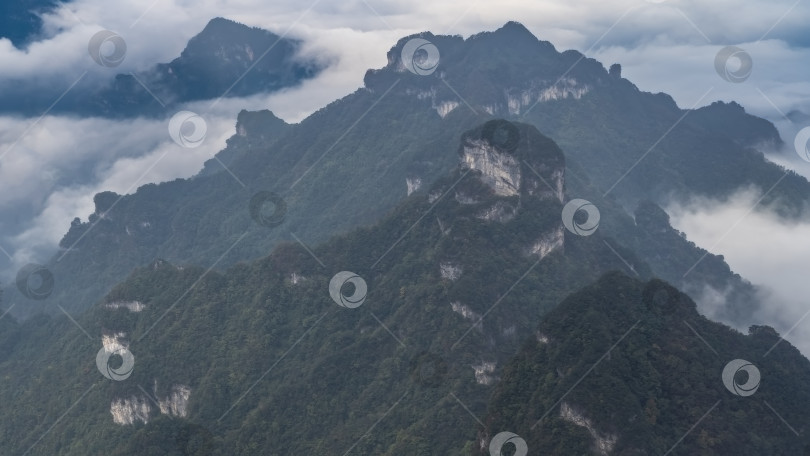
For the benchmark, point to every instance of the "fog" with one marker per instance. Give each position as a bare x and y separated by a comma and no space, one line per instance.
770,252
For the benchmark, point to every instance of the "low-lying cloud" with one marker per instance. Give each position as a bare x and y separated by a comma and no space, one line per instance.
769,251
51,175
664,46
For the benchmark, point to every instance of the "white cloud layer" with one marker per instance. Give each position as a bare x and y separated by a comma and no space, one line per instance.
664,46
761,247
112,155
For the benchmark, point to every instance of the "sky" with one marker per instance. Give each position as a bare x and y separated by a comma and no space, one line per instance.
51,166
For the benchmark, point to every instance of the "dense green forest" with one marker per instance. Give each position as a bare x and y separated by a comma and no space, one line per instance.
338,370
274,365
638,363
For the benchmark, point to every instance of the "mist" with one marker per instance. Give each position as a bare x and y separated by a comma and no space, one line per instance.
768,250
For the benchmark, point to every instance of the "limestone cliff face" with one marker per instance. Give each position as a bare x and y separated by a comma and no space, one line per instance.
413,184
132,306
450,271
514,160
483,372
518,163
603,442
446,107
500,212
130,410
113,341
176,403
139,408
467,313
508,174
517,100
548,242
512,101
499,170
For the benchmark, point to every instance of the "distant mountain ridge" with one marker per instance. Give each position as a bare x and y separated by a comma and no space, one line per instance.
601,119
225,59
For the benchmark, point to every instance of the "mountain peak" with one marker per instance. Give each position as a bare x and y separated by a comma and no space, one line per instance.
744,128
503,72
226,51
259,125
221,24
221,32
514,25
515,30
515,36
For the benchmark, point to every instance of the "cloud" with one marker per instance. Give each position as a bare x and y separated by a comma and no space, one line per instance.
788,156
777,84
52,174
764,248
158,31
663,46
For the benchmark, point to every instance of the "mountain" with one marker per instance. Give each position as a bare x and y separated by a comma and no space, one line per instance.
472,302
225,59
208,220
292,354
629,367
731,119
354,160
414,269
633,145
